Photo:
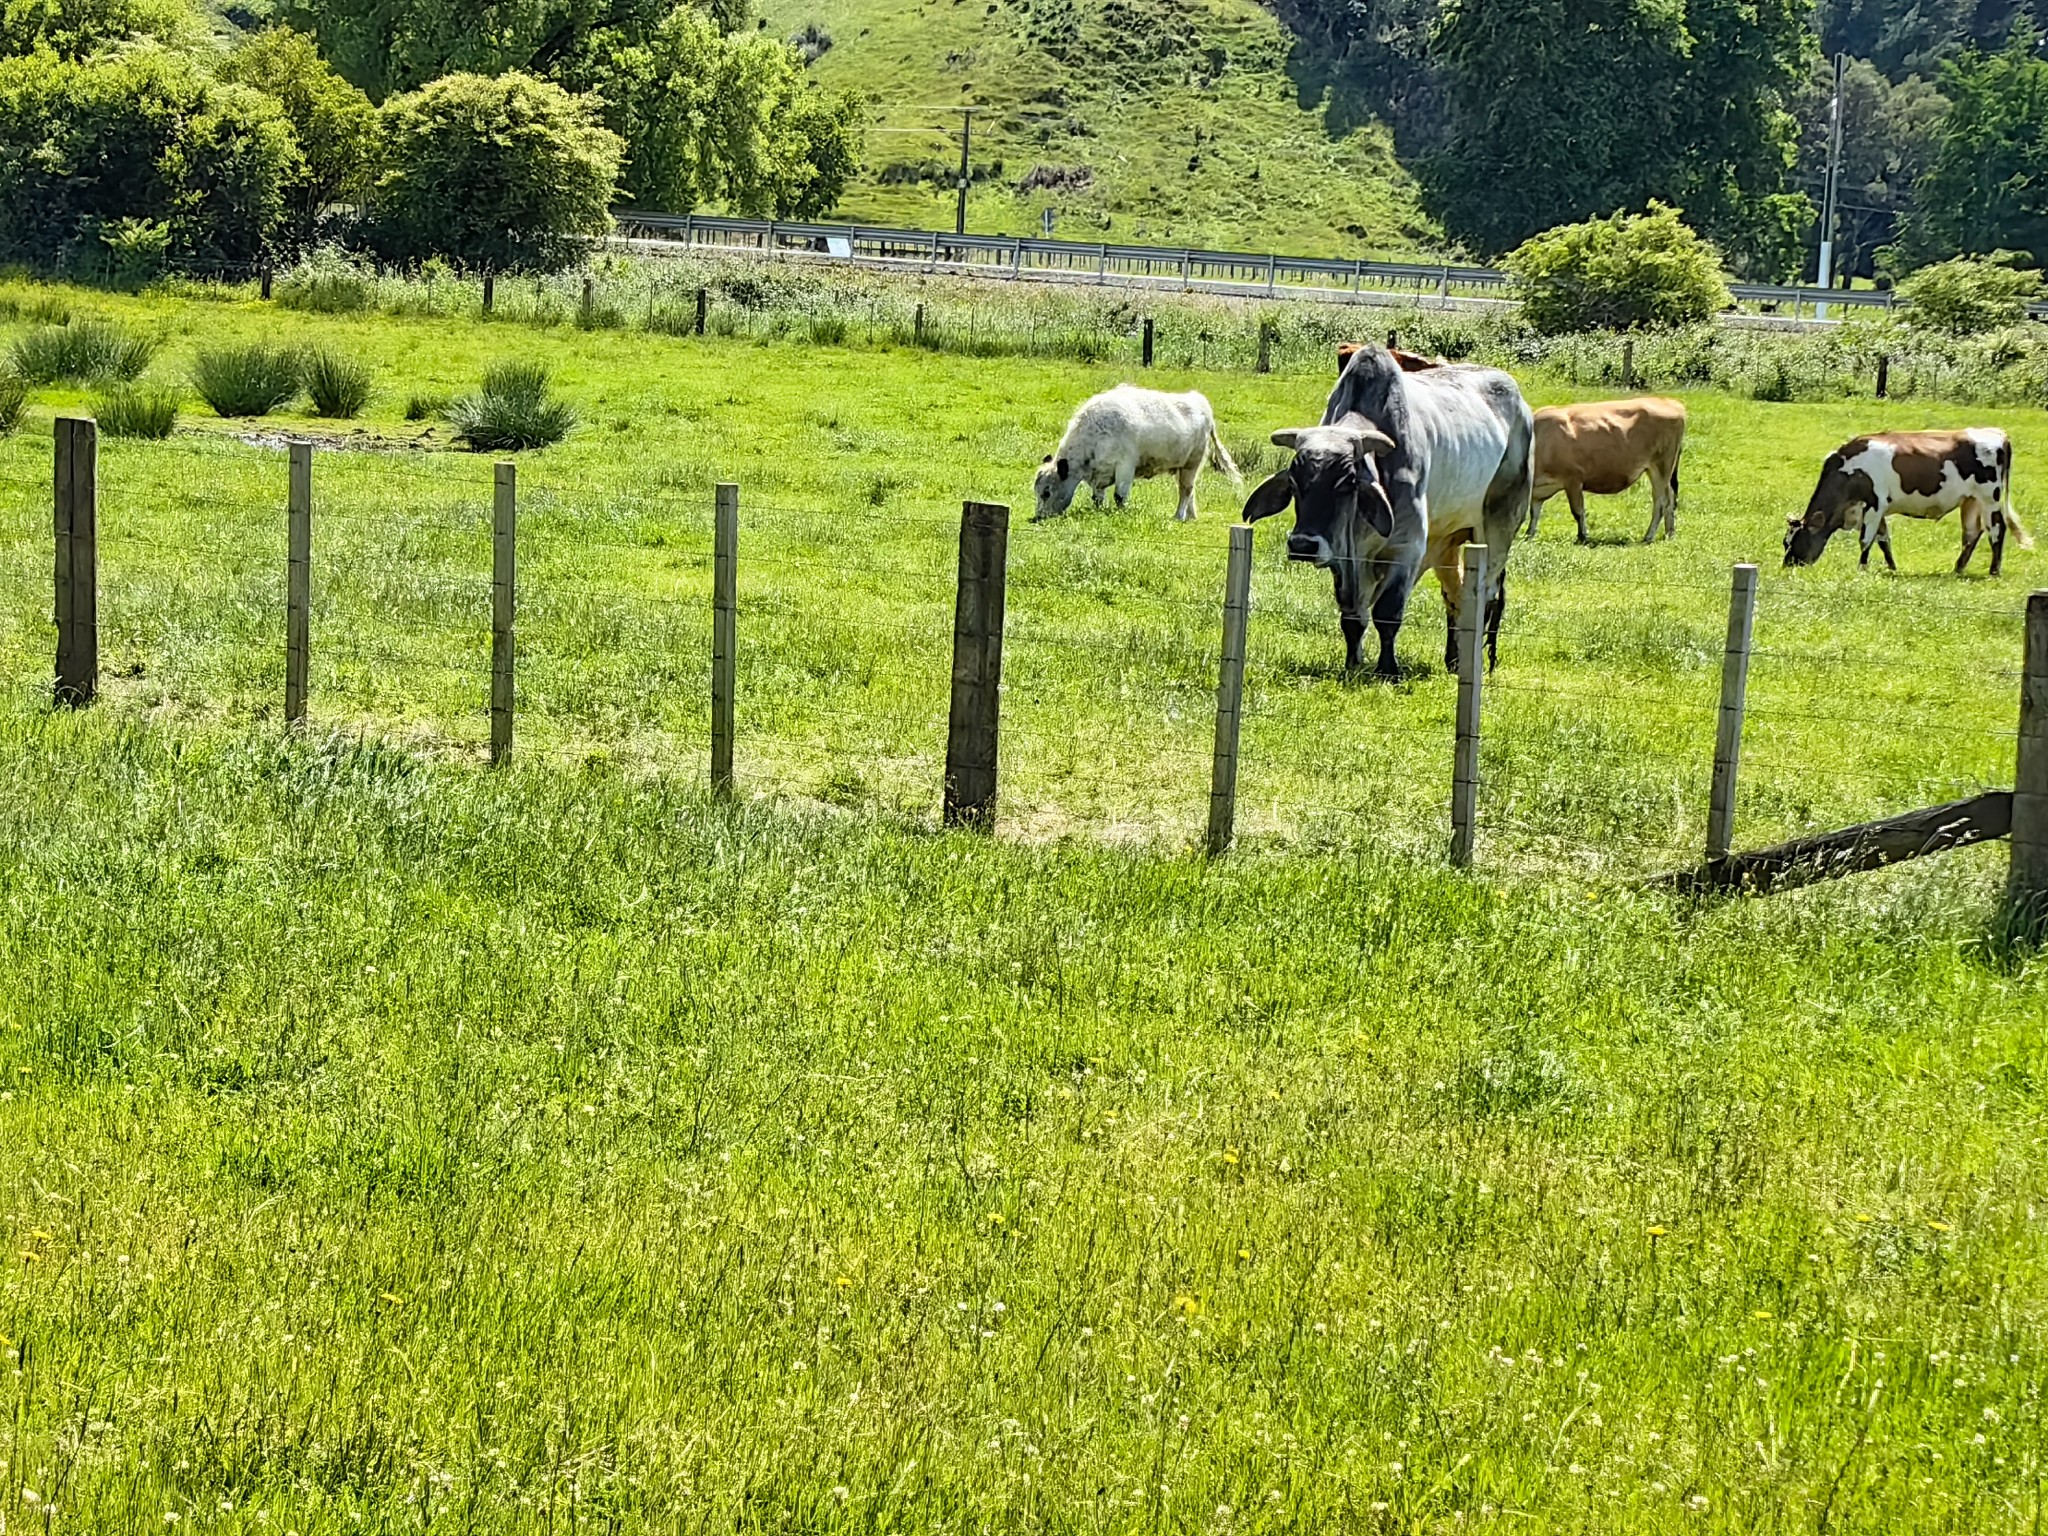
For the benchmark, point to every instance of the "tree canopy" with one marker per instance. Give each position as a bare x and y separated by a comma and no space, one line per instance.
1988,187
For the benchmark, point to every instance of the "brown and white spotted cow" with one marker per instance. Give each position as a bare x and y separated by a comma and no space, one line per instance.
1915,474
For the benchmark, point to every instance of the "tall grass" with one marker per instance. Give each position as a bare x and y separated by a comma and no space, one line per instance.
250,380
138,410
13,400
514,410
337,385
82,352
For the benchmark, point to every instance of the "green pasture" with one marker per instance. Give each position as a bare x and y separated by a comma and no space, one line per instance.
391,1143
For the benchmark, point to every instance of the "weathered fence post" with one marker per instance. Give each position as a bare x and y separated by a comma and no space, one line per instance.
1272,272
1471,669
2027,883
1884,374
490,291
589,301
298,583
1734,701
77,608
917,326
504,549
1146,359
725,557
1237,590
1265,345
974,720
1393,340
1628,362
703,308
263,283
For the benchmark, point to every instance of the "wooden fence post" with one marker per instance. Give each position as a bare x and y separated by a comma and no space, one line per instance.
1265,345
589,301
725,556
490,291
263,283
1628,362
1471,670
77,608
1734,701
504,549
974,720
1884,374
1146,359
1237,590
2027,883
703,308
298,585
917,326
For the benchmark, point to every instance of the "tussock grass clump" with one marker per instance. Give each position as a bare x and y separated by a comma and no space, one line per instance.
247,381
425,407
513,410
36,308
13,397
337,384
138,410
86,352
328,282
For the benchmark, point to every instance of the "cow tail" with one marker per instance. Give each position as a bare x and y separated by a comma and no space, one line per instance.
1219,457
2013,525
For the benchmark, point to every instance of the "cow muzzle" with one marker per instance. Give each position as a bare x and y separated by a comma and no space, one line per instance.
1309,548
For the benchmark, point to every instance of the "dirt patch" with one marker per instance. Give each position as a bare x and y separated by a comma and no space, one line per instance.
360,440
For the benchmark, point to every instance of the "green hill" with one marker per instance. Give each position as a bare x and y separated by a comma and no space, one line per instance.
1169,121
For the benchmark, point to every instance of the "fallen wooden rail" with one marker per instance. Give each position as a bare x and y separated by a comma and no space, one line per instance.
1872,845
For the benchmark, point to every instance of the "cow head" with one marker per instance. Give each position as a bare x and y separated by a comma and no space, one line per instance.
1055,485
1839,501
1333,485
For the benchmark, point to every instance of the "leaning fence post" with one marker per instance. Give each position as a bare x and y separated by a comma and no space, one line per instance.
1471,669
1237,589
725,555
298,585
1734,701
2027,882
76,487
504,546
974,720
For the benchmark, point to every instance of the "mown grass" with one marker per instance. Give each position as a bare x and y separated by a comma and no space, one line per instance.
386,1140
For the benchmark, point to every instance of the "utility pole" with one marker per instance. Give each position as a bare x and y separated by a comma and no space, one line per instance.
1827,217
966,132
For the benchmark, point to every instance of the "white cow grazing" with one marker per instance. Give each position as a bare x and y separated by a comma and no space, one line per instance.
1127,434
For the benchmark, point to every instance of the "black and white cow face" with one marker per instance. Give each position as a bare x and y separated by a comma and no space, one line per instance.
1839,501
1054,486
1333,485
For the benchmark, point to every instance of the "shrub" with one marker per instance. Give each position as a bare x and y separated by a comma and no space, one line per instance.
512,411
423,407
246,381
1970,295
138,410
334,123
1618,273
506,173
337,384
328,282
89,351
13,397
137,251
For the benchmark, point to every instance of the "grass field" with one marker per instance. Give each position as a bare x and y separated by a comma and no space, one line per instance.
386,1142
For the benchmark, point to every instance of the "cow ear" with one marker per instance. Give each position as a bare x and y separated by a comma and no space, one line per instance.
1060,469
1377,511
1272,495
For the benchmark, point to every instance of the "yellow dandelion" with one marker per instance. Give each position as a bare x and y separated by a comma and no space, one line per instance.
28,1255
1230,1157
1941,1226
1188,1306
39,1236
995,1218
1761,1316
843,1283
1865,1216
1244,1255
1658,1232
391,1298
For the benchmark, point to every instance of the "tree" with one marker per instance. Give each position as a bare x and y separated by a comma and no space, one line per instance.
1564,109
73,29
334,123
1616,274
1988,188
89,147
507,173
1967,295
1889,137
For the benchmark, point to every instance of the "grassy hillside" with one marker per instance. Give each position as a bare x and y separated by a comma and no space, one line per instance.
1171,121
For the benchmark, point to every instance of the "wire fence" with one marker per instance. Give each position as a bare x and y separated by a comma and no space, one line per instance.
1599,727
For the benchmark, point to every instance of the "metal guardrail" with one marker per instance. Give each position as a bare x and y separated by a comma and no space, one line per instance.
1216,271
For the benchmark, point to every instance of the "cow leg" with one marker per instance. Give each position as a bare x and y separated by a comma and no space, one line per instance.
1973,530
1997,536
1496,607
1576,495
1126,473
1345,587
1535,513
1884,543
1450,580
1185,512
1389,608
1872,531
1662,499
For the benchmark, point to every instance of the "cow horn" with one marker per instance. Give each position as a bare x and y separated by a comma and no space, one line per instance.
1372,440
1289,437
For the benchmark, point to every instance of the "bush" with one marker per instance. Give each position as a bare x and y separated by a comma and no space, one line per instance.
334,123
425,407
1620,273
90,351
138,410
336,383
138,250
246,381
328,282
512,411
13,397
507,173
1970,295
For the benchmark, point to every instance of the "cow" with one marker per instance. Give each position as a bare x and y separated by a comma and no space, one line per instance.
1126,434
1410,362
1916,474
1404,469
1604,447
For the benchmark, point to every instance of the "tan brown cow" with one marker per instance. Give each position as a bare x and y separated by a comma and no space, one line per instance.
1915,474
1606,446
1410,362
